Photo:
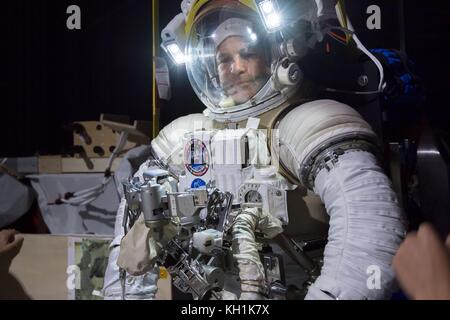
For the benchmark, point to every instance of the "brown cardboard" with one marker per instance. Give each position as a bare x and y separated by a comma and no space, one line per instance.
40,270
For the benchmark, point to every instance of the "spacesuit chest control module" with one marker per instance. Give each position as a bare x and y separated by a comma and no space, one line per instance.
260,169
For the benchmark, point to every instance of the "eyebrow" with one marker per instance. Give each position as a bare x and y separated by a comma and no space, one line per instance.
221,55
253,49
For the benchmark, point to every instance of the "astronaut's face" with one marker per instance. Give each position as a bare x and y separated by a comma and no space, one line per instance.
241,67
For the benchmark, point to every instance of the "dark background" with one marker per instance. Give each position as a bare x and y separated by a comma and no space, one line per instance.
55,76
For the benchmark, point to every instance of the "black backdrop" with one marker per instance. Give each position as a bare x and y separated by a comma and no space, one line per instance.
55,76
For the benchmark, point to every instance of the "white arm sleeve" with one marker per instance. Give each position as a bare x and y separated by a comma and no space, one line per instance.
366,222
136,287
366,228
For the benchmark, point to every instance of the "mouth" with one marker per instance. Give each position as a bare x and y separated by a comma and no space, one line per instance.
237,86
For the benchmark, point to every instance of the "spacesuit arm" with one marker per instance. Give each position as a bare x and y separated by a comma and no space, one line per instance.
136,287
328,147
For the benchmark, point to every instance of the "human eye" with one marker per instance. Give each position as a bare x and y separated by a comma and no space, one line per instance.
222,59
248,54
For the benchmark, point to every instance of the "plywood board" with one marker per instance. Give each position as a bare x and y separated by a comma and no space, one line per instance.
41,268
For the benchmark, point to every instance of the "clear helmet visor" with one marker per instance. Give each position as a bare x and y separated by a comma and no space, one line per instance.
229,59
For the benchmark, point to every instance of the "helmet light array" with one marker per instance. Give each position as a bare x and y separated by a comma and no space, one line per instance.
173,39
270,14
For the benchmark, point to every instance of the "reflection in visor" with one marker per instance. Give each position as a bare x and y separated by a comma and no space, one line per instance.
241,68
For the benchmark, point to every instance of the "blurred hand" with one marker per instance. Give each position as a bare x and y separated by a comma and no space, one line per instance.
422,265
10,245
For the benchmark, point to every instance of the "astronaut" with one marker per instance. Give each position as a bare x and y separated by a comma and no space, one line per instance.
321,151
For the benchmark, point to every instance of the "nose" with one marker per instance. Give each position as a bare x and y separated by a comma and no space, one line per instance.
239,65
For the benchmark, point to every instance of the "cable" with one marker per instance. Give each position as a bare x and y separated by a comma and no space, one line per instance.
117,149
372,57
341,13
86,196
346,21
350,31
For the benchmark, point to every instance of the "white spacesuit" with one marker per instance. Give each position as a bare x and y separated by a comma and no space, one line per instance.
288,156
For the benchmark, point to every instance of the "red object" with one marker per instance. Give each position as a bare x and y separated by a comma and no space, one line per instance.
30,222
